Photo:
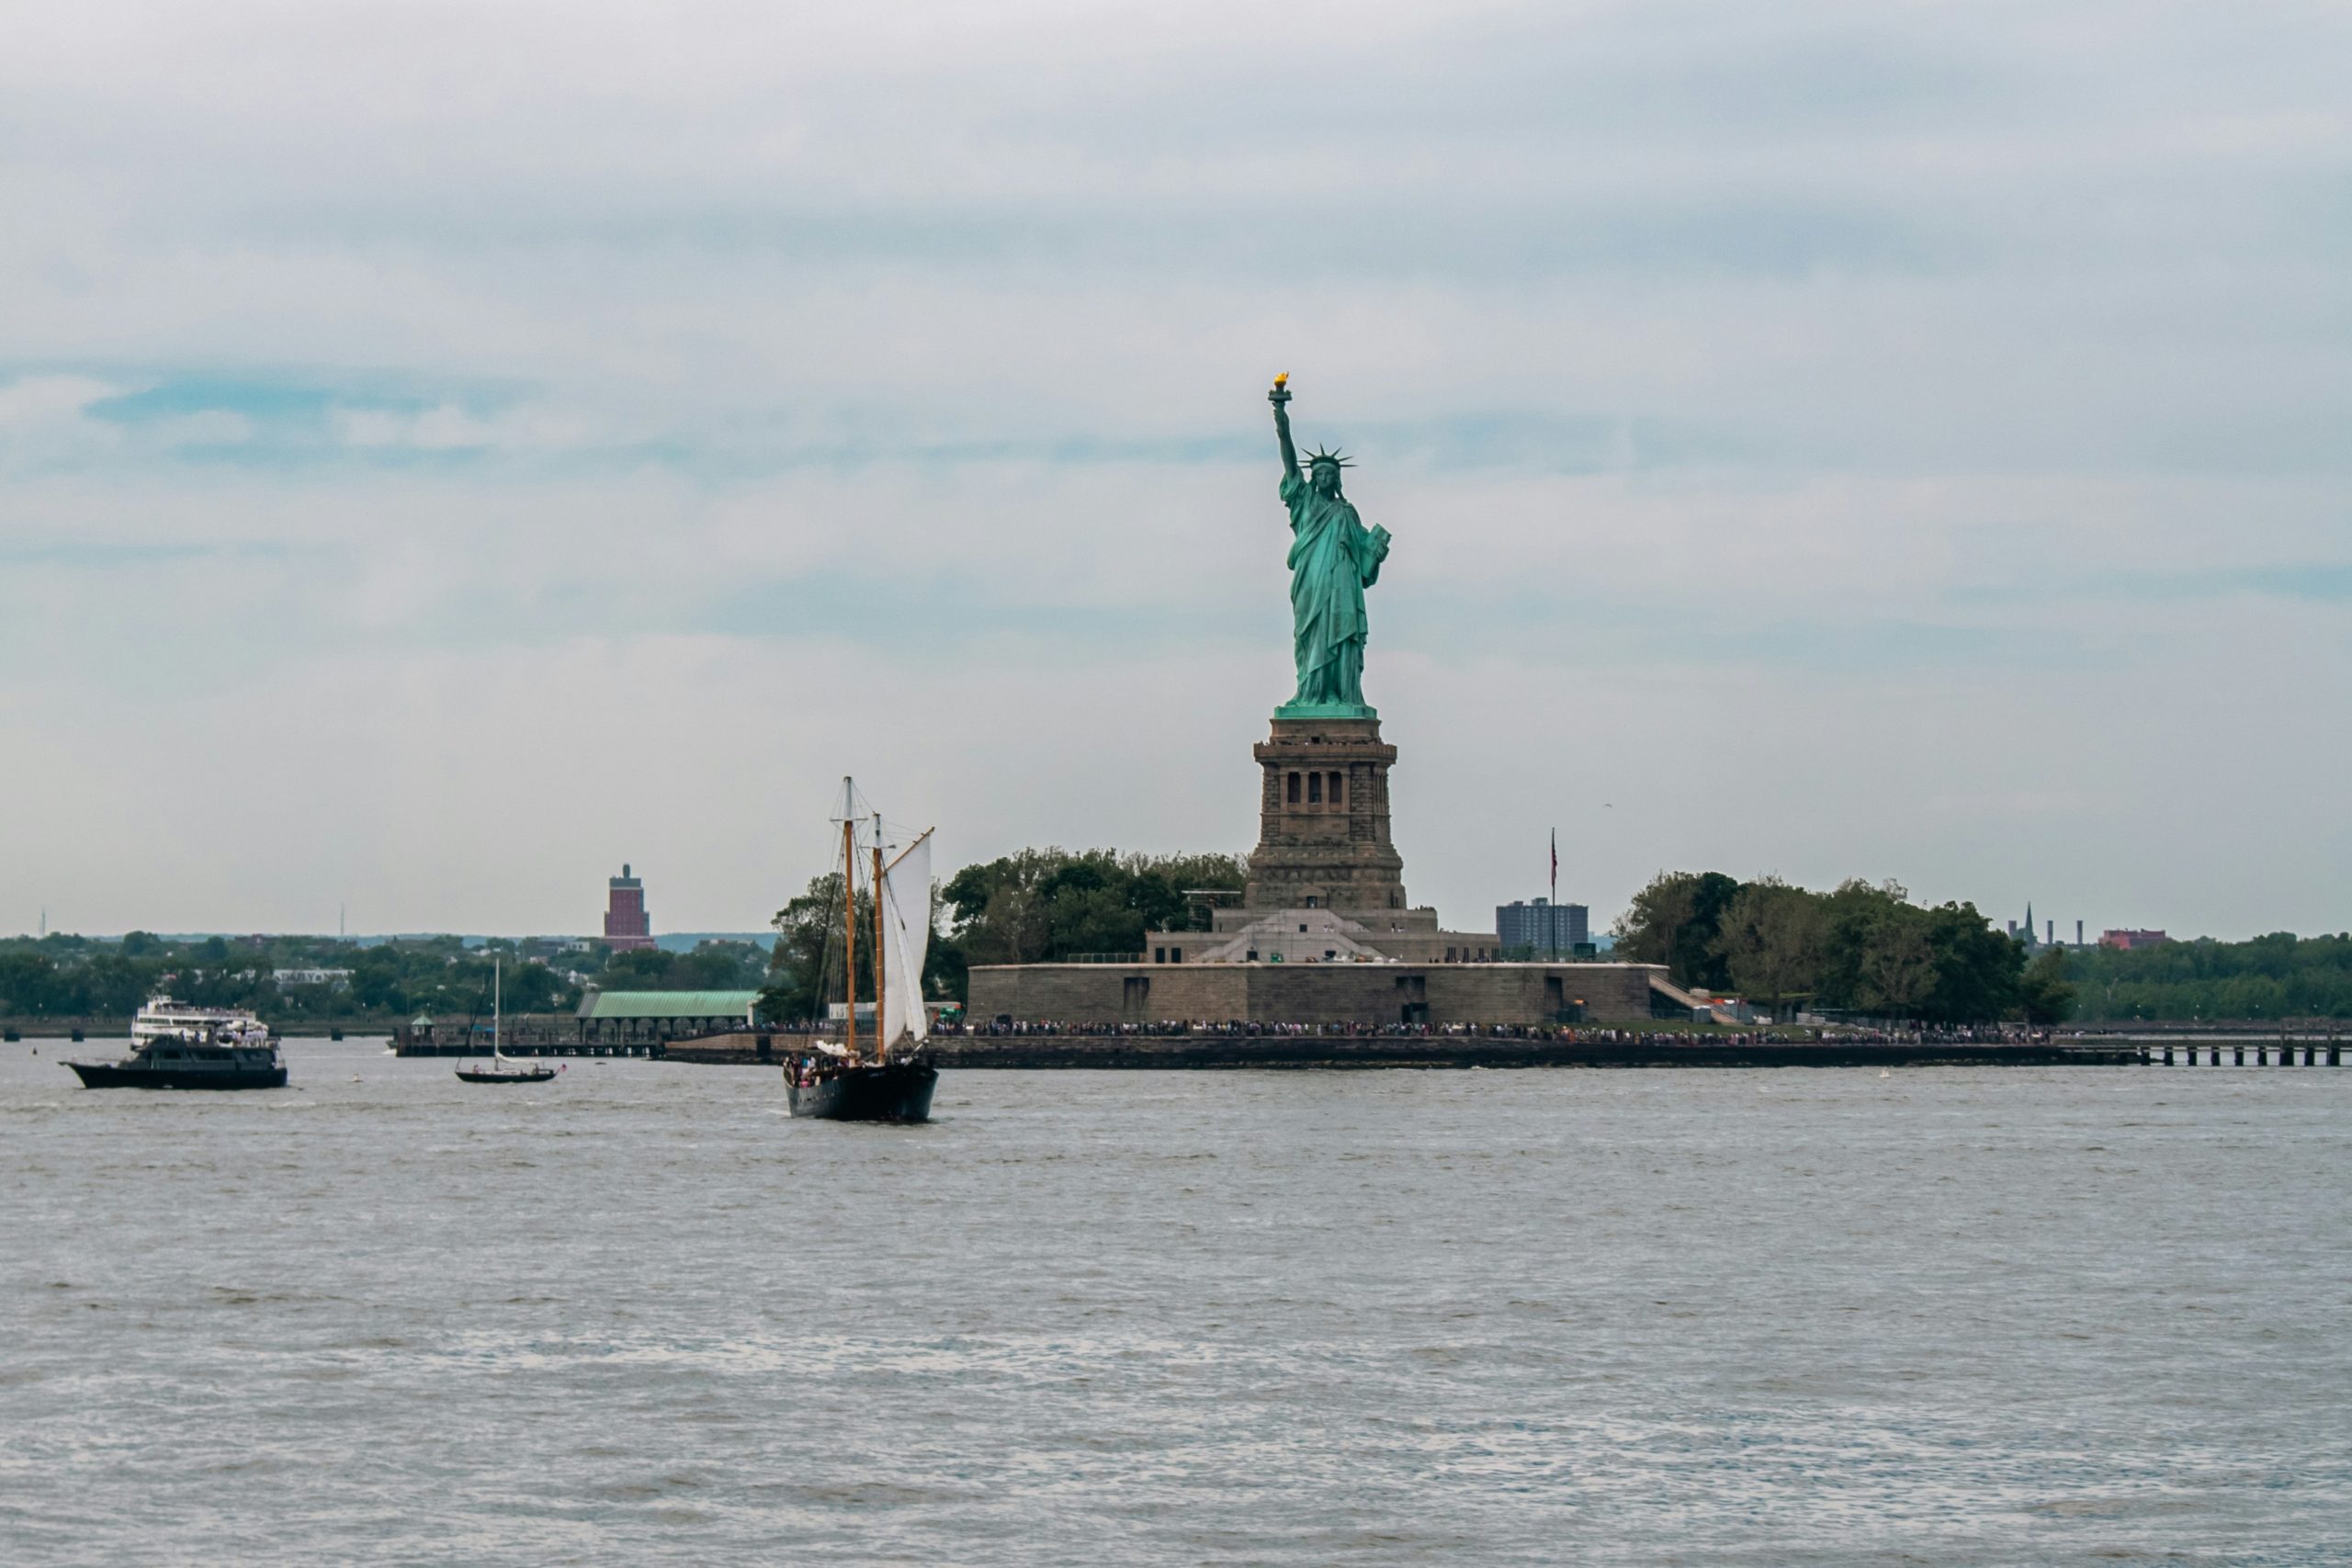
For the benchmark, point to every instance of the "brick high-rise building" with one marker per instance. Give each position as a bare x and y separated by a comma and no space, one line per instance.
626,925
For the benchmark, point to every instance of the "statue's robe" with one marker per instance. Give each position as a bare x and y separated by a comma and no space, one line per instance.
1333,558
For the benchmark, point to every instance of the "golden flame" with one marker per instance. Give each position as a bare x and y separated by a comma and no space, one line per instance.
1283,378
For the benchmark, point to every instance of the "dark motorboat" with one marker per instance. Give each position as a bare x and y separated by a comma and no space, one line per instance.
171,1062
832,1090
499,1071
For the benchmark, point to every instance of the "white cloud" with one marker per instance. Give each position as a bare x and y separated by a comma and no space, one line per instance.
32,401
44,419
446,427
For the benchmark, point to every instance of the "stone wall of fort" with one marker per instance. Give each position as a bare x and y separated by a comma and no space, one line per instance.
1311,993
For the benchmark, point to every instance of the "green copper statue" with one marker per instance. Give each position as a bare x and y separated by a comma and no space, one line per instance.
1333,558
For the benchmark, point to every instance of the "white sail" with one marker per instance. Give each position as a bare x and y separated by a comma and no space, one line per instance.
906,921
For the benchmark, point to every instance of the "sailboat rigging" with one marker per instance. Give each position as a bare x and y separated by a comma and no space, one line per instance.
889,1076
499,1071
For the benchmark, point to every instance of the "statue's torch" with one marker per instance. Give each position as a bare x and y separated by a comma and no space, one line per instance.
1280,394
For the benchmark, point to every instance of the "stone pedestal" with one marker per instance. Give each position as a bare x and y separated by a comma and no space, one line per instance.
1323,820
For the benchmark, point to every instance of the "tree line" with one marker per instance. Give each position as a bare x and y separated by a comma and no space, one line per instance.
2279,975
75,976
1860,949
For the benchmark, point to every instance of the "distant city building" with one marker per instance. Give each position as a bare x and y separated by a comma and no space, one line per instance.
626,925
2127,940
2035,940
337,977
1542,926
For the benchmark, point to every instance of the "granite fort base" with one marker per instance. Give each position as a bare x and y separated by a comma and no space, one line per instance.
1323,932
1367,993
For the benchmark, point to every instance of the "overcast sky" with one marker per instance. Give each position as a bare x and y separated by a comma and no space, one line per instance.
449,450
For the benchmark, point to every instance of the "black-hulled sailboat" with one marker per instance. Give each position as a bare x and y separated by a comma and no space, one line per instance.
502,1067
888,1076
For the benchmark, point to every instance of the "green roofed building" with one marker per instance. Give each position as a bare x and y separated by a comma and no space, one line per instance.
620,1017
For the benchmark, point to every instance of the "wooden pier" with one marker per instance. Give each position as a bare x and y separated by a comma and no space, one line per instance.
2282,1052
541,1034
651,1050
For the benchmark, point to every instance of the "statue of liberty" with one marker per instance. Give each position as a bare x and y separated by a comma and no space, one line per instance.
1333,558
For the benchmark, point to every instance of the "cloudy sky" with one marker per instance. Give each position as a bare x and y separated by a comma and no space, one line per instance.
449,450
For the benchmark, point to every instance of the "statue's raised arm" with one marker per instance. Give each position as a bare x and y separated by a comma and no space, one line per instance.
1279,397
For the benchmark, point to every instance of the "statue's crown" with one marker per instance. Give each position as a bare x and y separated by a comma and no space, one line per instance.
1334,458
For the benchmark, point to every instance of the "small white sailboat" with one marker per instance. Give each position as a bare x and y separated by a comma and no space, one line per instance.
503,1068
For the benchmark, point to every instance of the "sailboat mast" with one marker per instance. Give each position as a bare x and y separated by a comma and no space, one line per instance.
497,1002
881,1035
849,925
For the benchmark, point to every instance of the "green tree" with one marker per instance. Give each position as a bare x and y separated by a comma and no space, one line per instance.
1772,937
1877,956
535,988
119,983
2270,978
719,967
1976,967
1040,906
641,969
805,967
1898,967
2045,992
27,982
1677,921
377,982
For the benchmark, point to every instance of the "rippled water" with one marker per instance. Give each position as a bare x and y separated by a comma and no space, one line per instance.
1609,1317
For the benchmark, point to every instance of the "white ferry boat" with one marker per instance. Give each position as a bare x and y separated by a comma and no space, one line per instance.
173,1045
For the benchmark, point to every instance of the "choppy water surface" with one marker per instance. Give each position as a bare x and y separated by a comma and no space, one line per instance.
1605,1317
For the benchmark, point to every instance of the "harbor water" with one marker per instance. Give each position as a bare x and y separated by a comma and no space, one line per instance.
1947,1317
